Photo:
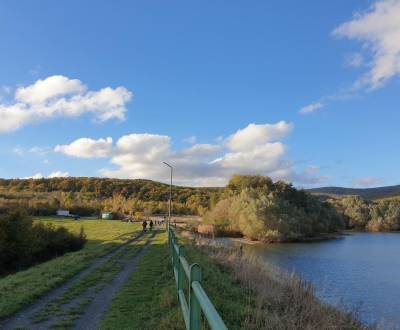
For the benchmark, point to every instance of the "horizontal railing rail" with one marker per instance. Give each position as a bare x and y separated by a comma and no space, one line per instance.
198,299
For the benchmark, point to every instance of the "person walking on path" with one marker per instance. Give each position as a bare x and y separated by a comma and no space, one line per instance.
144,225
151,225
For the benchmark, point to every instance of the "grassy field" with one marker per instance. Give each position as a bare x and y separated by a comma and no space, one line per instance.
22,288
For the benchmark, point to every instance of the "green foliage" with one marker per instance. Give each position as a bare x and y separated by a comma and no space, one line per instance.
270,212
23,243
381,215
90,196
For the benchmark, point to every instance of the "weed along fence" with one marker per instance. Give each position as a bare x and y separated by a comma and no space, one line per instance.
198,299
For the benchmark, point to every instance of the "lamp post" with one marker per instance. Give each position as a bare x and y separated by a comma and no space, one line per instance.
170,193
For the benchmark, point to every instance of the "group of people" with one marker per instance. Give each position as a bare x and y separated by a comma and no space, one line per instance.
151,224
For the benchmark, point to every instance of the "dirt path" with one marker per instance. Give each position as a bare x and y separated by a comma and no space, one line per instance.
80,302
100,303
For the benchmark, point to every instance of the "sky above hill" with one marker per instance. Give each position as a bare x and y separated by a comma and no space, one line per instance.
305,92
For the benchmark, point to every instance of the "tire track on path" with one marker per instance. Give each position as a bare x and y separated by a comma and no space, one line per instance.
22,319
95,311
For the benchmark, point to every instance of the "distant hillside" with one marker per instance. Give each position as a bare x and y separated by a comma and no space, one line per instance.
87,196
366,193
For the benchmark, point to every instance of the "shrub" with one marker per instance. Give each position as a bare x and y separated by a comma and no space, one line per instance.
271,212
23,243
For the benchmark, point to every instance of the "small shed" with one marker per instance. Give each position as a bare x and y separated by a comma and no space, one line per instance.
63,213
107,216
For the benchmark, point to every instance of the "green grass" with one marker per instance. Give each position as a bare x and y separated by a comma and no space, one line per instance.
97,280
149,298
22,288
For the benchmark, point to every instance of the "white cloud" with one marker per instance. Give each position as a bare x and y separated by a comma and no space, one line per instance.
87,148
35,176
197,150
59,96
56,174
354,60
40,150
310,108
259,158
368,181
254,149
378,29
252,135
51,87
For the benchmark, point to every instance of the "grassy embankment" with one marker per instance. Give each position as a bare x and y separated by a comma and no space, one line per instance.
149,301
247,293
22,288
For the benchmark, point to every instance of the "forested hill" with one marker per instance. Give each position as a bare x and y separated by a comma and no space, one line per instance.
86,196
366,193
101,187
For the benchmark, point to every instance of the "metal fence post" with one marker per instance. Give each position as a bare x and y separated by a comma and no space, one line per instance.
181,274
194,306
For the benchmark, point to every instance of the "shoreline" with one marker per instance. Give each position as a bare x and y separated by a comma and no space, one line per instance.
248,241
270,284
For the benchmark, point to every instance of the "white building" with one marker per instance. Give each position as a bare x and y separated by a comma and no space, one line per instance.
63,213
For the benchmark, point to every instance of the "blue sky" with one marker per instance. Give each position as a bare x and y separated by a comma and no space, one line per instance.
193,76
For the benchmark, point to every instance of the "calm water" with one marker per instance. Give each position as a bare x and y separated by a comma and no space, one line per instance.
361,270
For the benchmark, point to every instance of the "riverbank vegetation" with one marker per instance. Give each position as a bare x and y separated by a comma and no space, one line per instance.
262,210
276,300
247,293
24,243
360,214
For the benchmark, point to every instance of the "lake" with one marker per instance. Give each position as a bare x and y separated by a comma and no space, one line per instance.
360,270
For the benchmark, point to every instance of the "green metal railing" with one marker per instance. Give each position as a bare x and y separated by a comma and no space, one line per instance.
198,299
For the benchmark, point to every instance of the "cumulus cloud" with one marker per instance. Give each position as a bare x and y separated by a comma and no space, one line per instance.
378,29
59,96
310,108
368,181
255,134
87,148
56,174
51,87
254,149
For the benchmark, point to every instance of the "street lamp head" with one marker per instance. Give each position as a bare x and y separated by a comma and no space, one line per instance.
167,164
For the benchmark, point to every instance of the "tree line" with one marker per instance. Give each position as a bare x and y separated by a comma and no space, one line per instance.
90,196
361,214
244,204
